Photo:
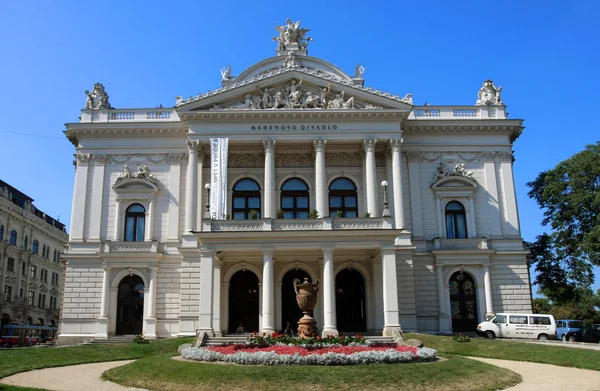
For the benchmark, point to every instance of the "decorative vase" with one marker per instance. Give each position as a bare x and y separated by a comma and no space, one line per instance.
306,297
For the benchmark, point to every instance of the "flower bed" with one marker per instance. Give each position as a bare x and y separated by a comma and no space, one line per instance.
277,349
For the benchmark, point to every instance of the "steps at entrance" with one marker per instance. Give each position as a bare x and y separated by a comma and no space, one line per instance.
110,340
241,338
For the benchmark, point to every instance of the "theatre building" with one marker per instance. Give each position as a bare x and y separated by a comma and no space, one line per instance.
199,217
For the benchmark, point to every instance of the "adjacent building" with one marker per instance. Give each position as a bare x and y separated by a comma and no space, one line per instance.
31,273
199,217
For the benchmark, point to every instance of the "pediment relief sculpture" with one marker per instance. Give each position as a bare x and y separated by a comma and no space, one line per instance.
296,95
143,173
442,172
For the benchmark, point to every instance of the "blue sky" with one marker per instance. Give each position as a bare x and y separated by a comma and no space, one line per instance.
545,54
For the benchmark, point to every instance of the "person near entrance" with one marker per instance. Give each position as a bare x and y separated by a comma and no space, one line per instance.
240,329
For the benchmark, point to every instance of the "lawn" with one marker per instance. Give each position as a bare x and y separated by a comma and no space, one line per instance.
155,369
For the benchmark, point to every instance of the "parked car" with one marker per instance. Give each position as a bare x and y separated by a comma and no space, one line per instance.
506,325
566,326
590,333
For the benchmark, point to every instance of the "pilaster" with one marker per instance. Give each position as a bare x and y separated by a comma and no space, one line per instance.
97,195
78,213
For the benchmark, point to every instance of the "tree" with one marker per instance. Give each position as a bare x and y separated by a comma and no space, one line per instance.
569,195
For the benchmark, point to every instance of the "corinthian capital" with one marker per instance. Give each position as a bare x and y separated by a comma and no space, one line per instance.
319,143
193,145
269,143
369,143
395,143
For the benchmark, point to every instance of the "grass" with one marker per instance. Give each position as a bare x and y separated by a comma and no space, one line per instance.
155,369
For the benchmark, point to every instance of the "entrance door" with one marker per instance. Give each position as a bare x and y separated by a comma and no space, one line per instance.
243,302
463,302
130,306
350,301
290,312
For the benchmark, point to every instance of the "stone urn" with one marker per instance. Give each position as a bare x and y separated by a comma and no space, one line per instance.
306,297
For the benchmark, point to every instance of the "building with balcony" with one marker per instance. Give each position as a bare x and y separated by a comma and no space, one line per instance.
31,275
199,217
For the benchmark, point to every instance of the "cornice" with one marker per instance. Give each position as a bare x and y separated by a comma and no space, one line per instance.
76,131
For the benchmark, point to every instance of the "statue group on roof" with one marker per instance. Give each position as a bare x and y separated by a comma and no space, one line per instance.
97,99
489,94
291,33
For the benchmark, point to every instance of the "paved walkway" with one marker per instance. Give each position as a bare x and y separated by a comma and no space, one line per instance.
87,377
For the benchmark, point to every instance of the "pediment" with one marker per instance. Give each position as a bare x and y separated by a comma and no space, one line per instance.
455,181
298,88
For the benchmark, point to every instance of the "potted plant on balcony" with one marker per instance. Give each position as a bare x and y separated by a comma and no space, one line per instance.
279,214
339,213
314,214
253,214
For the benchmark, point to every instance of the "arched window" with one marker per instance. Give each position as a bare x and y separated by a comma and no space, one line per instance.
36,247
246,197
135,218
342,198
294,199
13,237
456,222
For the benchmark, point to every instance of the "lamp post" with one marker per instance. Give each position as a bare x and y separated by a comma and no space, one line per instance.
386,211
207,213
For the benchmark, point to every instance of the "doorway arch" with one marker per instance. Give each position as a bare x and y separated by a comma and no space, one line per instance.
290,312
463,302
130,306
243,301
350,301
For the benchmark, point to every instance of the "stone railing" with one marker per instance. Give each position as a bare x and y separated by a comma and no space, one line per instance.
461,244
458,112
327,223
130,115
132,247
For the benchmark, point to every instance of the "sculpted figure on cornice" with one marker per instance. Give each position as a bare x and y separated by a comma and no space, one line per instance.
97,99
246,160
440,172
291,33
294,160
461,170
143,172
489,94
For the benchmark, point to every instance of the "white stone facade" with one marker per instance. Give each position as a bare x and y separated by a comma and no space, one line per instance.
31,273
394,246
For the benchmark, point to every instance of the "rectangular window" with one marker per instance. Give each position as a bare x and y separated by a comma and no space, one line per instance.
30,298
36,247
7,293
33,271
40,300
24,268
517,319
10,265
21,292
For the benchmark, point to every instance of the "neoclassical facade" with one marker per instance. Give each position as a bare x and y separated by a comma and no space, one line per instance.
198,218
31,273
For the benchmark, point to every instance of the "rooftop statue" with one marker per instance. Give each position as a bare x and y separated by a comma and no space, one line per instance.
291,33
359,70
489,94
226,73
97,99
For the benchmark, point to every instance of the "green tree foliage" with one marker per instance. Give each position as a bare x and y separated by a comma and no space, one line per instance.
569,195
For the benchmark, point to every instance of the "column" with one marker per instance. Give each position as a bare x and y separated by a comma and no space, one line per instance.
397,182
473,218
329,315
79,197
199,203
269,191
391,317
150,330
118,219
267,294
205,306
378,292
439,214
494,207
149,221
191,186
217,297
443,318
102,331
489,300
320,177
371,176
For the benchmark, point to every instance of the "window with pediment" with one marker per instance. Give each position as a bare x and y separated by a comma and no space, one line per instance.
246,197
295,199
342,198
456,221
135,221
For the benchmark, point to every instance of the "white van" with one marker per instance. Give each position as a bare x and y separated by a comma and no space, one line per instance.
506,325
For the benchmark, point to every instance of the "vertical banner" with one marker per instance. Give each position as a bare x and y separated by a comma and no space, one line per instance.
218,184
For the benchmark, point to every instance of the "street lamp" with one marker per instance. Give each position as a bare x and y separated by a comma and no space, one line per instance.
207,213
386,211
